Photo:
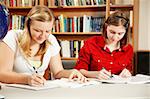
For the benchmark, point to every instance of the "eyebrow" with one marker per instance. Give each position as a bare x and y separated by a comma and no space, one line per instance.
40,29
115,31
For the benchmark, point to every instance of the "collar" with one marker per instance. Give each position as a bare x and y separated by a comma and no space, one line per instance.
101,43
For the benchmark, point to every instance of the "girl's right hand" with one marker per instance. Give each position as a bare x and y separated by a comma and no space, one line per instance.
36,80
104,74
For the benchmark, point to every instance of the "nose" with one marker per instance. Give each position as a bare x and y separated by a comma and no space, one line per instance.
116,36
44,34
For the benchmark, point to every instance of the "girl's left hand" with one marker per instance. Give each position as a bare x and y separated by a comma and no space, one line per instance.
125,73
75,74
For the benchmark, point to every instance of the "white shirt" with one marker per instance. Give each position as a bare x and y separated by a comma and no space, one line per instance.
21,64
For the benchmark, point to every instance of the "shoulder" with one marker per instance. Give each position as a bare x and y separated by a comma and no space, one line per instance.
128,48
53,41
11,39
15,32
52,38
12,34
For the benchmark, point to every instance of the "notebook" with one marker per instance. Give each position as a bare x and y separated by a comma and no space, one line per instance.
47,85
63,82
138,79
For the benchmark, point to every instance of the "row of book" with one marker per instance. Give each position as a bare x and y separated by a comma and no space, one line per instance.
70,49
79,24
64,24
23,3
75,2
17,22
30,3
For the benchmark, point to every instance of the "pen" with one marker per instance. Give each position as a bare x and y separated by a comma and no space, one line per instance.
35,70
111,76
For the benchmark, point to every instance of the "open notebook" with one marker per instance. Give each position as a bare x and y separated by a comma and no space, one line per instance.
138,79
63,82
47,85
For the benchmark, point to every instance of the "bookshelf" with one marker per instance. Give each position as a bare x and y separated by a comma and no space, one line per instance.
92,9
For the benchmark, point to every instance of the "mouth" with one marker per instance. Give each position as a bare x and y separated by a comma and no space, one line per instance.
39,38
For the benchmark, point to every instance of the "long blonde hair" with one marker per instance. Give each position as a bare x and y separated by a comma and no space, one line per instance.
37,13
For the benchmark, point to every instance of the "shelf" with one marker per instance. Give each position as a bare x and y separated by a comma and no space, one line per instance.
64,58
19,10
75,36
78,7
121,7
78,10
77,33
75,10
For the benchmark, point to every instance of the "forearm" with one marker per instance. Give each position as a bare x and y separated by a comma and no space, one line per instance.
89,74
63,74
12,77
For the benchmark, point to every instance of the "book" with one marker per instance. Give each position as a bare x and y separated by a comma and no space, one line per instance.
47,85
138,79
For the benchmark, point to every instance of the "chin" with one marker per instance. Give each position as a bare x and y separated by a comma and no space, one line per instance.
40,41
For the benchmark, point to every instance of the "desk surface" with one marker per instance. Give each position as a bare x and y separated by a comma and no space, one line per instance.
102,91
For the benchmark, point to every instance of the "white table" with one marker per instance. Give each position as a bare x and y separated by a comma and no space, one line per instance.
102,91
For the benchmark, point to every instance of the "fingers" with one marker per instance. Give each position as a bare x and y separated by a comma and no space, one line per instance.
104,74
77,76
125,73
36,80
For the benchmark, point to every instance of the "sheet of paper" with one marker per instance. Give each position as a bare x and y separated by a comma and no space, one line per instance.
47,85
138,79
64,82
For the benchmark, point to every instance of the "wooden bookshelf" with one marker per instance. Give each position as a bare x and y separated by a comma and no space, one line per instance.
89,10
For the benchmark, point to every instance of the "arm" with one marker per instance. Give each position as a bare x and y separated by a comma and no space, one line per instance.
127,72
7,75
84,64
6,66
89,74
59,72
57,68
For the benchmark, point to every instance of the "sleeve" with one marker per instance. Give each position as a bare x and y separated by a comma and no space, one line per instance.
130,57
10,40
83,61
54,47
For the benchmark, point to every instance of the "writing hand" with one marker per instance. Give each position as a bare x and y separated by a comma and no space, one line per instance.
104,74
36,80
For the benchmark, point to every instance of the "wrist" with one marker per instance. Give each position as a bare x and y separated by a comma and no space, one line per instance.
96,74
27,79
82,70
